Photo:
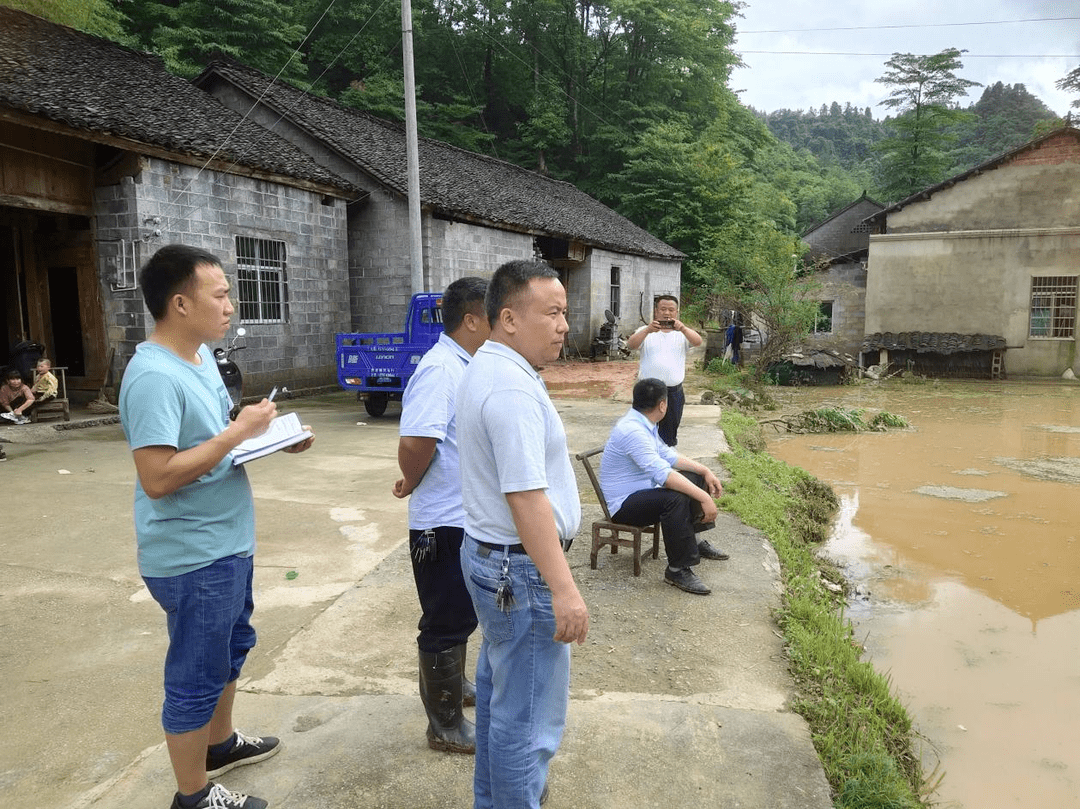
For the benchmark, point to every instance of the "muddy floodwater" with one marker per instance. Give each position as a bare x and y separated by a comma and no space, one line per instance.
962,537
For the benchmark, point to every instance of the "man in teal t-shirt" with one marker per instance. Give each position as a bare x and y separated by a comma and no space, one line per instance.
195,519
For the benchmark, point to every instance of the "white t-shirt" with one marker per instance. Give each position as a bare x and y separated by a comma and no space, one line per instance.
663,357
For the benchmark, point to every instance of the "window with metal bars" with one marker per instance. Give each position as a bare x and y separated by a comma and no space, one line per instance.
1053,306
616,291
260,280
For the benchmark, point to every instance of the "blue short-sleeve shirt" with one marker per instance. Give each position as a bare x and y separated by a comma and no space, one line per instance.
510,439
427,411
165,401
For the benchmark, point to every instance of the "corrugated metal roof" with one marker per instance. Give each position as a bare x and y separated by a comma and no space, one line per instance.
456,183
99,87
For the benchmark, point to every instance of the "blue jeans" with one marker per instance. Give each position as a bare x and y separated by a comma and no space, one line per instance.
208,614
522,679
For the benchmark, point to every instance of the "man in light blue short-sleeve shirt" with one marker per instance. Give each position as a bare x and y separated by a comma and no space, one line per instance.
431,479
194,519
521,511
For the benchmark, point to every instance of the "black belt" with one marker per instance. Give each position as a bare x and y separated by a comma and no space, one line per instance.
519,548
494,546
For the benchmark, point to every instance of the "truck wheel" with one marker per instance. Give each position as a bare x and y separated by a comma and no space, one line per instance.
375,404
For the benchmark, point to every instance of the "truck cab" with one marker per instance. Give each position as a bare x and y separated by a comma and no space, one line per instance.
378,366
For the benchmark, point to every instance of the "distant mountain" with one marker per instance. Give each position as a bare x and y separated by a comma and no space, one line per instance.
1004,117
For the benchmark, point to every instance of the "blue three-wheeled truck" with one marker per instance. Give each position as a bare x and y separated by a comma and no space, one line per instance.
379,366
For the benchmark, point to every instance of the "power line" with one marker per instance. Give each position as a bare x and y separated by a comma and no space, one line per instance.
965,56
909,25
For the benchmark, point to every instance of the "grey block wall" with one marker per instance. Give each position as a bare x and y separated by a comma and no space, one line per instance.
171,203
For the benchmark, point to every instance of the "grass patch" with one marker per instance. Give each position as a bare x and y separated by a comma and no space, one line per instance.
837,420
861,731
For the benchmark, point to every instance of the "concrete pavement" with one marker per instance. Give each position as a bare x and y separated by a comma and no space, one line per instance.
677,701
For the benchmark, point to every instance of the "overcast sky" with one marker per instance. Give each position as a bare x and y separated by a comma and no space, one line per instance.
1035,54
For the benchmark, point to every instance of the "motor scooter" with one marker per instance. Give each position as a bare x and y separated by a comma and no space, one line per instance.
230,371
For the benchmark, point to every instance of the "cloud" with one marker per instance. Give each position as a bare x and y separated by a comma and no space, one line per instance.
1035,54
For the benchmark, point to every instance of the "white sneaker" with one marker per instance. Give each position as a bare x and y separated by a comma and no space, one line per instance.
10,417
23,420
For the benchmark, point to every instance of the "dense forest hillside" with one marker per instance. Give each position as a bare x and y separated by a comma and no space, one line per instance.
1004,117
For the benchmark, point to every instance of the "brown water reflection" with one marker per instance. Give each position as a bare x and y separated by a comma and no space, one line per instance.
961,534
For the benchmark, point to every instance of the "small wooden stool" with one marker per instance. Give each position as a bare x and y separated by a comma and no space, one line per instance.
57,406
617,535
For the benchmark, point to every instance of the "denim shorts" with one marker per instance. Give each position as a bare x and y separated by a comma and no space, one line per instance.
208,614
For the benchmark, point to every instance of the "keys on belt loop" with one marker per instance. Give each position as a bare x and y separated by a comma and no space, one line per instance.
504,596
424,547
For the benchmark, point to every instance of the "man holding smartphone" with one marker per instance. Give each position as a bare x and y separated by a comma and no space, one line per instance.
663,345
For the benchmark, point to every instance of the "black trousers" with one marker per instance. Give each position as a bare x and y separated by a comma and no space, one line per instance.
675,512
447,616
669,424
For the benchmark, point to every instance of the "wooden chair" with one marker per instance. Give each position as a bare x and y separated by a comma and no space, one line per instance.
58,406
607,532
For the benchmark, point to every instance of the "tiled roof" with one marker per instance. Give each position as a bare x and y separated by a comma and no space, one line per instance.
456,183
924,342
102,88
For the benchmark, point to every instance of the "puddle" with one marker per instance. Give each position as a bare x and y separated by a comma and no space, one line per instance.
968,597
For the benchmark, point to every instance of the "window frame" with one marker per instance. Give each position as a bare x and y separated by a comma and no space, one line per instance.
820,315
615,296
1052,307
261,270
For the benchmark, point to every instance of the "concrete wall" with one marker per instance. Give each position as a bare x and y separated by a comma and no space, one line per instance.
641,279
844,285
166,203
963,260
842,234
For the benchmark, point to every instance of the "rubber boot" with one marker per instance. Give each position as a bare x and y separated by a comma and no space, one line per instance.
440,690
468,687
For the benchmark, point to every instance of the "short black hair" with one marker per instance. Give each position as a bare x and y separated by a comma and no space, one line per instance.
648,394
463,296
509,281
168,271
12,373
665,298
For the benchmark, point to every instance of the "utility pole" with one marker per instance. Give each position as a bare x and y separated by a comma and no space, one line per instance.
416,244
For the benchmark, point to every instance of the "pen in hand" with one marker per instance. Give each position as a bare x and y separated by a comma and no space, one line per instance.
273,393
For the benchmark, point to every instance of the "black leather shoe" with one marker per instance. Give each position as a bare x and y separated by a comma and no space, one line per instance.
707,551
686,580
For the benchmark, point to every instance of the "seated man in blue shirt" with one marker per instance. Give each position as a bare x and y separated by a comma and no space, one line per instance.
644,481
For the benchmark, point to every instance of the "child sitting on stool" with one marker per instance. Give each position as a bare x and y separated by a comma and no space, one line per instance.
15,397
45,385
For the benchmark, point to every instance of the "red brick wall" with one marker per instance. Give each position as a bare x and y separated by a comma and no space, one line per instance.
1062,148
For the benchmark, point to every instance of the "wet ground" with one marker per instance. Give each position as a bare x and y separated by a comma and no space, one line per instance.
961,537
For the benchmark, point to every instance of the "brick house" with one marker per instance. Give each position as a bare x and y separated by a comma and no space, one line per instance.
838,248
981,270
105,156
477,212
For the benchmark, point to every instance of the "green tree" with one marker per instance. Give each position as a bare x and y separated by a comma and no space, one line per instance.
260,33
98,17
1004,117
1071,82
924,89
